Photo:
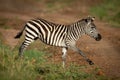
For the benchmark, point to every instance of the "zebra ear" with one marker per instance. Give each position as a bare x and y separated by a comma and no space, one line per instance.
89,19
93,18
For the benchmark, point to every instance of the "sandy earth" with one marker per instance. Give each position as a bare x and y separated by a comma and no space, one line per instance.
105,53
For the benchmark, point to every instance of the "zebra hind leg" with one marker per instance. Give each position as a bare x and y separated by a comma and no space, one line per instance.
21,49
24,45
20,53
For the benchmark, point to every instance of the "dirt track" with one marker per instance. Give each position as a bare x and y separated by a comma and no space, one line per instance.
105,53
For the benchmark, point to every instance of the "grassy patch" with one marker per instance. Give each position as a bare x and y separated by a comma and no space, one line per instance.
12,69
108,10
1,38
36,66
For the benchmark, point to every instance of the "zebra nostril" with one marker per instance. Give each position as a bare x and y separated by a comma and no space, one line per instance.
98,38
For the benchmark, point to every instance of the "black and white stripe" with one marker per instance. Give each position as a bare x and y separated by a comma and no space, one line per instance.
64,36
49,33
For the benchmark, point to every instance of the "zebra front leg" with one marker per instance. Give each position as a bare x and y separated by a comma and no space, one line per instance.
64,51
87,59
82,54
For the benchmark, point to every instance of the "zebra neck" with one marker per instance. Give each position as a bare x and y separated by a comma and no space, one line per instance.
76,31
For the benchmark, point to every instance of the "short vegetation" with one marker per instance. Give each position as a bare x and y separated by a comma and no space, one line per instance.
36,65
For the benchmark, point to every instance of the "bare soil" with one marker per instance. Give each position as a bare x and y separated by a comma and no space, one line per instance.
105,53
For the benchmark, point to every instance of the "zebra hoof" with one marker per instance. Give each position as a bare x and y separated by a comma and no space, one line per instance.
90,62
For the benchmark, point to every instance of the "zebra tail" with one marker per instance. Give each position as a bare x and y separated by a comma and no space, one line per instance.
19,34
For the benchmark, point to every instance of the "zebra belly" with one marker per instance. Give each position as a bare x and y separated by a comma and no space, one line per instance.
54,41
59,44
62,44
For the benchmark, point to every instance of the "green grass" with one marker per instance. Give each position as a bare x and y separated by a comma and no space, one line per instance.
1,38
36,65
109,11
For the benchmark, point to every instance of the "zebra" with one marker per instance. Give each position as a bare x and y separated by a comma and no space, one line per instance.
64,36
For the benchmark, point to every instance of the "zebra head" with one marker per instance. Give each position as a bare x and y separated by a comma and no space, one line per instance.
90,28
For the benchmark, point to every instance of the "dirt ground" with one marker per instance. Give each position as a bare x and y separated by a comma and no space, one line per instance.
105,53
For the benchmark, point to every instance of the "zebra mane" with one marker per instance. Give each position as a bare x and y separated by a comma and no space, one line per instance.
51,23
56,24
82,21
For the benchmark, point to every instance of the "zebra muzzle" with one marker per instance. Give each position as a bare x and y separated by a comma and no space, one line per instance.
98,38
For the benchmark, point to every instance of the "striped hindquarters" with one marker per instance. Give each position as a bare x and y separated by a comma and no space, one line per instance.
47,32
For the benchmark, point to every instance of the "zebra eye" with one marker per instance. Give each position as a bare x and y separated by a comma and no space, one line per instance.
91,31
92,27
